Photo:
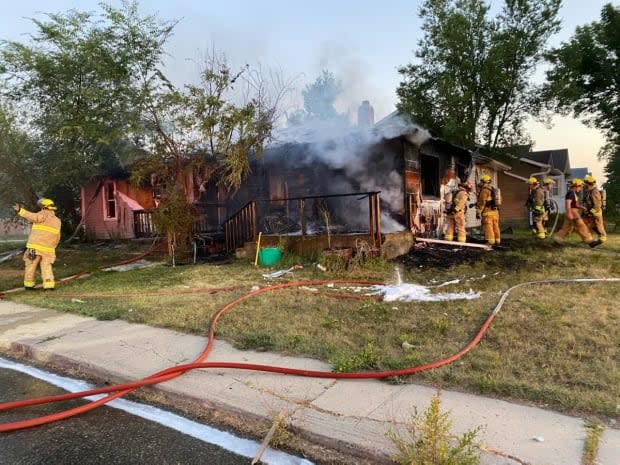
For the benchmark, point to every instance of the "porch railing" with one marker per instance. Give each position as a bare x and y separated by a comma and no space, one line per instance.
143,225
305,216
207,220
241,227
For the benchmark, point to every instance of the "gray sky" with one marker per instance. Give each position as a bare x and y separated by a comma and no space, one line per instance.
362,42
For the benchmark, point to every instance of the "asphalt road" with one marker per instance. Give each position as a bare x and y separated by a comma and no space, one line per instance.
103,436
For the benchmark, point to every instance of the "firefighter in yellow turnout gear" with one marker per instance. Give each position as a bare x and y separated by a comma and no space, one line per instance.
536,204
42,242
593,208
487,209
455,215
572,219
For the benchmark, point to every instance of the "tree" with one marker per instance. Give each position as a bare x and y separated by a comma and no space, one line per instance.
205,132
319,98
81,85
17,163
585,80
472,81
95,96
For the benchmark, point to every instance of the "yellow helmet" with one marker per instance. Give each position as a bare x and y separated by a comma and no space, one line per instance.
532,180
576,182
589,179
46,203
548,181
485,178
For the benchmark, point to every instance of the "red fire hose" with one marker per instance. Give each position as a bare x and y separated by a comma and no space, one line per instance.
170,373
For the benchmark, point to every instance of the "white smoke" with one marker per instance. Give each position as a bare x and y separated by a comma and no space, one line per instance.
353,150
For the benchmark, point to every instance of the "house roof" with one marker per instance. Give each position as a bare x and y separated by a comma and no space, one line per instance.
395,125
579,173
557,159
491,162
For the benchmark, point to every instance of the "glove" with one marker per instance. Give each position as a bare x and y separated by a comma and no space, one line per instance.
539,208
596,212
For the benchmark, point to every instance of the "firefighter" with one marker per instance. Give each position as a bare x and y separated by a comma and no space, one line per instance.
455,215
487,209
536,204
548,184
593,208
572,218
41,244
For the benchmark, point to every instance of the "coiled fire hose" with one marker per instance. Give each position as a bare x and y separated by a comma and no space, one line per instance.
114,392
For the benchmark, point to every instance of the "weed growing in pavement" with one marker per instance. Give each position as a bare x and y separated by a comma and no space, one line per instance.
592,442
281,435
429,440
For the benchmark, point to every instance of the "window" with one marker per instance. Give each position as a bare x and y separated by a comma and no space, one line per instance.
429,175
158,184
109,196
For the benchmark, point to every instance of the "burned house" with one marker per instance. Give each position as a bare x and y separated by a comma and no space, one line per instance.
322,186
356,182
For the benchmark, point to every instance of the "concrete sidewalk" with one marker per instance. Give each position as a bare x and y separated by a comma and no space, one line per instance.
350,416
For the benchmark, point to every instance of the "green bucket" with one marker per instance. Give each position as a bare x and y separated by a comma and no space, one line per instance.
268,256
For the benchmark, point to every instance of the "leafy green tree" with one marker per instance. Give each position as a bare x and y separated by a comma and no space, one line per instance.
201,133
92,90
319,99
471,82
585,80
17,163
81,84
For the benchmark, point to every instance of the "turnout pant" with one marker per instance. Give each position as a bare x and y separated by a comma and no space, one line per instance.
596,224
30,271
455,221
538,227
577,225
490,226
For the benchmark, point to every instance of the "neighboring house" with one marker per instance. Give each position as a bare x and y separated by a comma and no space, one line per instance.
111,209
578,173
554,164
13,227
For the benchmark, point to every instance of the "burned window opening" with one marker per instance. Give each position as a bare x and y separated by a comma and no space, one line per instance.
462,171
429,175
110,200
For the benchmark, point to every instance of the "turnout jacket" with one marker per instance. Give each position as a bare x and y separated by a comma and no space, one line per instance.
593,202
45,234
485,200
536,200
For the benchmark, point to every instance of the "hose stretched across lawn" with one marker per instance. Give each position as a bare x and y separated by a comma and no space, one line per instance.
170,373
152,248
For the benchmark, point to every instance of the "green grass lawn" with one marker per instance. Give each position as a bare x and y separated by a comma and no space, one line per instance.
556,345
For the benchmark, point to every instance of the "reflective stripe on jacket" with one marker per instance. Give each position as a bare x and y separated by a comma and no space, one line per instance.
45,234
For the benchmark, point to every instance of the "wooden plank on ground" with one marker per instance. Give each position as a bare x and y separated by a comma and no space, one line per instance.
459,244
